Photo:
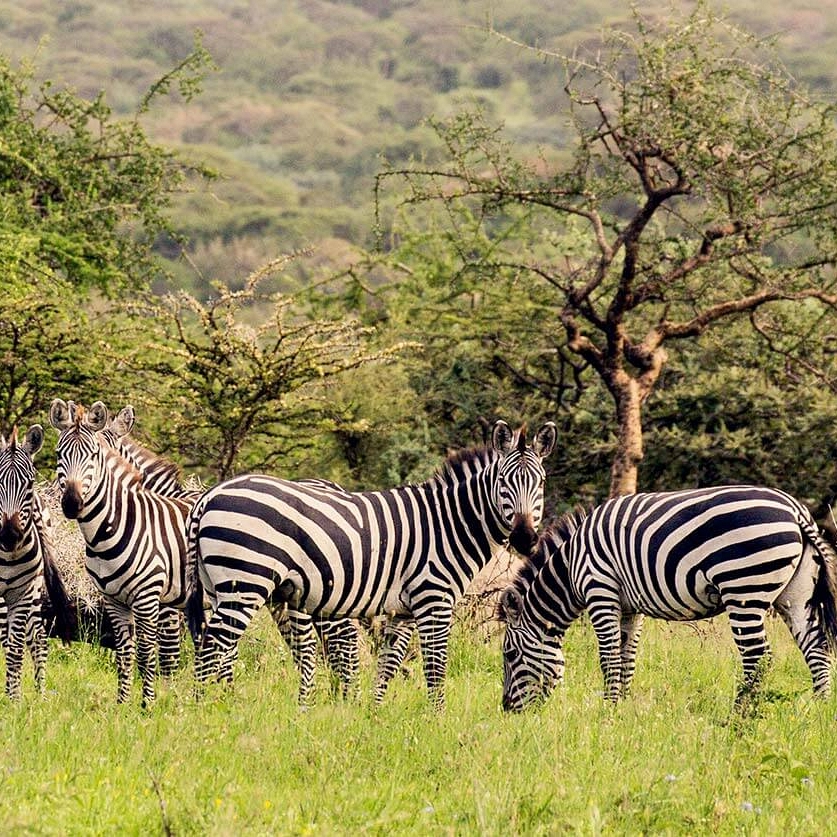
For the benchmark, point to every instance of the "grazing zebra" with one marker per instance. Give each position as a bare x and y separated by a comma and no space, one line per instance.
408,552
679,555
135,539
26,562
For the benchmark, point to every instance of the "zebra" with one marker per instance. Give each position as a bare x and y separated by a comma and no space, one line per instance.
26,562
408,552
163,477
680,555
339,638
135,538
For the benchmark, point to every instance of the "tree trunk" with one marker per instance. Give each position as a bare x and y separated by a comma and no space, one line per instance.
628,395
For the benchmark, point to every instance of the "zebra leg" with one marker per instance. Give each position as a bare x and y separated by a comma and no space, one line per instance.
36,639
226,665
18,616
168,639
795,605
434,626
605,618
122,623
339,638
219,645
4,624
747,623
297,630
631,628
397,635
147,623
303,644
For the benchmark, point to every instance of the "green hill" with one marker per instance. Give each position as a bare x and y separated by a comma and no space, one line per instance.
312,96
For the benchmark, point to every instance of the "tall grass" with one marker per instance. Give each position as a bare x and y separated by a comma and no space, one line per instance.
670,759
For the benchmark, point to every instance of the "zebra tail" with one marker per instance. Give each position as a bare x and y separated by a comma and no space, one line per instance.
825,587
65,615
195,618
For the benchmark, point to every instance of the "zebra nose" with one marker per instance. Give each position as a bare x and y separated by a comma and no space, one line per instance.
71,502
10,533
523,536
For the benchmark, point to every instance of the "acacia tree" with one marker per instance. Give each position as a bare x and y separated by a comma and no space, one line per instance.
702,187
242,377
83,196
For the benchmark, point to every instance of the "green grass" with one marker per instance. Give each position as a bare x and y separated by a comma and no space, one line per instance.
671,759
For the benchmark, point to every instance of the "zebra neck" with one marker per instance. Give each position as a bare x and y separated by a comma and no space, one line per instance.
115,490
552,600
471,499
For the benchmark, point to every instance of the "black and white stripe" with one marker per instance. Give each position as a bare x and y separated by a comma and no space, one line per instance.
408,552
679,555
135,538
25,558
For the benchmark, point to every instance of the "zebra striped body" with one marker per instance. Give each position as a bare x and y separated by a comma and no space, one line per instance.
409,551
135,538
24,553
679,555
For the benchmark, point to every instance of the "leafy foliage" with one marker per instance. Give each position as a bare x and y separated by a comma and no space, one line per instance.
240,387
74,180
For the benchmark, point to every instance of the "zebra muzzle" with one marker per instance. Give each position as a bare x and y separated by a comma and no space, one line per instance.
511,705
11,533
71,501
523,536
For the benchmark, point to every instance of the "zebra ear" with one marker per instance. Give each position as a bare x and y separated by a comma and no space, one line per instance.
97,416
124,422
544,442
511,606
34,439
59,414
501,437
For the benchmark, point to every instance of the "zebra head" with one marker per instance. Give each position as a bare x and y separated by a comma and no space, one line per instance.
17,485
520,481
533,658
79,452
118,427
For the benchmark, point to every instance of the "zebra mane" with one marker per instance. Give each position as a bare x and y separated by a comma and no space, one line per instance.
462,464
151,463
551,540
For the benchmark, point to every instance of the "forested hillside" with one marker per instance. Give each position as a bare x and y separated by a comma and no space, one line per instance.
311,97
476,306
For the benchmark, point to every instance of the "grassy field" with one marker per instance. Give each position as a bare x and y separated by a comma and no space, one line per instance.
247,761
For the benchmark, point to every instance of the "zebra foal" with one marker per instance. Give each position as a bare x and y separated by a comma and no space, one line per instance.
408,552
26,562
678,555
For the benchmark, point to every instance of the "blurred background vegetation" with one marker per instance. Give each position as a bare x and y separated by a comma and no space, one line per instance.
299,104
